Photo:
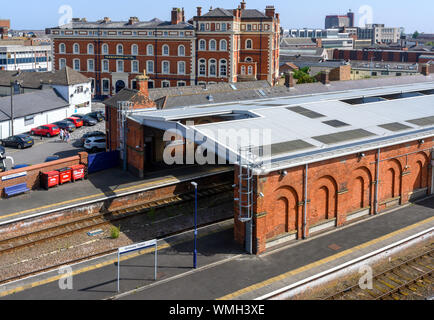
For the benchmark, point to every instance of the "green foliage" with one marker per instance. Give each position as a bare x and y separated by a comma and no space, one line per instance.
431,43
302,75
115,232
415,34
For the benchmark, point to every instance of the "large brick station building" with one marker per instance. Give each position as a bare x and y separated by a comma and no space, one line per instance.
220,46
336,156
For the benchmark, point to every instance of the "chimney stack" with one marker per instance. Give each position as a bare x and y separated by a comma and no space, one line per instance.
133,20
289,80
199,11
270,11
142,83
324,77
176,16
425,69
183,15
243,5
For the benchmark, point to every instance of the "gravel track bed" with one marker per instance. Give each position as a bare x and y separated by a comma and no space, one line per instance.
141,227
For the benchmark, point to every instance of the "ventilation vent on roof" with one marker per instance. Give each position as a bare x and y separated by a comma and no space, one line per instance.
395,126
306,112
364,100
336,123
343,136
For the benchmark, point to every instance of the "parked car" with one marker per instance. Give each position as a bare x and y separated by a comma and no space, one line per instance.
98,115
52,158
66,125
20,141
48,130
94,144
2,157
19,166
2,152
91,134
76,121
87,121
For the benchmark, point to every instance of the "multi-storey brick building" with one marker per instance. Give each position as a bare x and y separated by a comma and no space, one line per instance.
220,46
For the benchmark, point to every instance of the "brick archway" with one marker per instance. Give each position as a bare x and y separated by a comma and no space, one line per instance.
360,189
419,171
390,180
324,201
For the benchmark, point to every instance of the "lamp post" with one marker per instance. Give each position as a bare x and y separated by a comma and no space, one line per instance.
194,184
13,85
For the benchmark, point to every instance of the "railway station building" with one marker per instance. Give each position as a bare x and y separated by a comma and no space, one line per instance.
306,158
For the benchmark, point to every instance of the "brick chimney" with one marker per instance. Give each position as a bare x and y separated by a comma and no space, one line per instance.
270,11
133,20
289,80
243,5
106,19
142,83
183,15
425,69
199,11
176,16
324,77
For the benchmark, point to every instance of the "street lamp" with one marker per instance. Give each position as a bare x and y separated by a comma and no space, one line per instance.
194,184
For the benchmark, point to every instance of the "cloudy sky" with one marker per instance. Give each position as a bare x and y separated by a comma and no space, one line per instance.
412,15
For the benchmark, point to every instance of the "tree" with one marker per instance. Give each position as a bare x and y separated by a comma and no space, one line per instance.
415,34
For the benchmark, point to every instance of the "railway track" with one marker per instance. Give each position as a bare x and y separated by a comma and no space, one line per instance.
397,283
107,218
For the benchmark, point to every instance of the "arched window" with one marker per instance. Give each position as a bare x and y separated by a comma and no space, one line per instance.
62,63
150,50
90,48
150,66
202,45
202,67
135,66
120,49
165,84
181,67
76,64
248,59
249,44
243,70
250,70
105,66
134,49
223,45
76,48
105,49
120,66
90,65
223,68
165,50
212,45
181,51
62,48
166,67
212,68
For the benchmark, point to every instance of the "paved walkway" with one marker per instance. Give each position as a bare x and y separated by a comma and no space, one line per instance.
225,272
98,186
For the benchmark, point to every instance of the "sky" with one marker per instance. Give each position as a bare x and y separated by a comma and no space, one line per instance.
412,15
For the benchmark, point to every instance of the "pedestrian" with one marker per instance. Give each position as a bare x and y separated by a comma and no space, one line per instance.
67,136
61,135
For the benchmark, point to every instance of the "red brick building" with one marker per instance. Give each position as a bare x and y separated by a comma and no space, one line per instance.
174,53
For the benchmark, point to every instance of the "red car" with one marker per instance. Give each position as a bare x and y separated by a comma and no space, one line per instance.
48,130
77,121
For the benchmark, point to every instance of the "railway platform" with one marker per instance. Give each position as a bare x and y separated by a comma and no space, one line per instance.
100,186
225,272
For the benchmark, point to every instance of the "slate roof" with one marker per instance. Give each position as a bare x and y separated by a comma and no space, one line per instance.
31,103
245,13
35,80
134,96
101,24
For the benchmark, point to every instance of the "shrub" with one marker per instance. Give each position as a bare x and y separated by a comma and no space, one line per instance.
115,232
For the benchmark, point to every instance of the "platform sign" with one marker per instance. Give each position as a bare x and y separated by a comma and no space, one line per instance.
137,247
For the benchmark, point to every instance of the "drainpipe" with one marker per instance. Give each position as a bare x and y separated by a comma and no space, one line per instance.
305,203
377,182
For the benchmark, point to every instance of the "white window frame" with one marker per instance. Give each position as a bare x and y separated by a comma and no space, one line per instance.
62,48
102,65
132,66
149,70
89,69
202,45
74,64
251,42
119,52
74,47
220,68
211,43
60,63
117,66
181,82
136,51
243,70
151,82
102,85
163,82
89,50
181,54
103,47
163,49
202,62
181,63
249,70
211,64
149,50
225,45
162,67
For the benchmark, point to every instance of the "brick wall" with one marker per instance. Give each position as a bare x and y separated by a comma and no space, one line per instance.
340,74
32,179
338,188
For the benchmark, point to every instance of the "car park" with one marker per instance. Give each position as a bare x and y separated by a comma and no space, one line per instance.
87,121
91,134
48,130
76,121
96,115
20,141
66,125
94,144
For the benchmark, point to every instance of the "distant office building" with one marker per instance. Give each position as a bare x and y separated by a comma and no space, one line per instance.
5,25
325,38
25,57
338,21
379,33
